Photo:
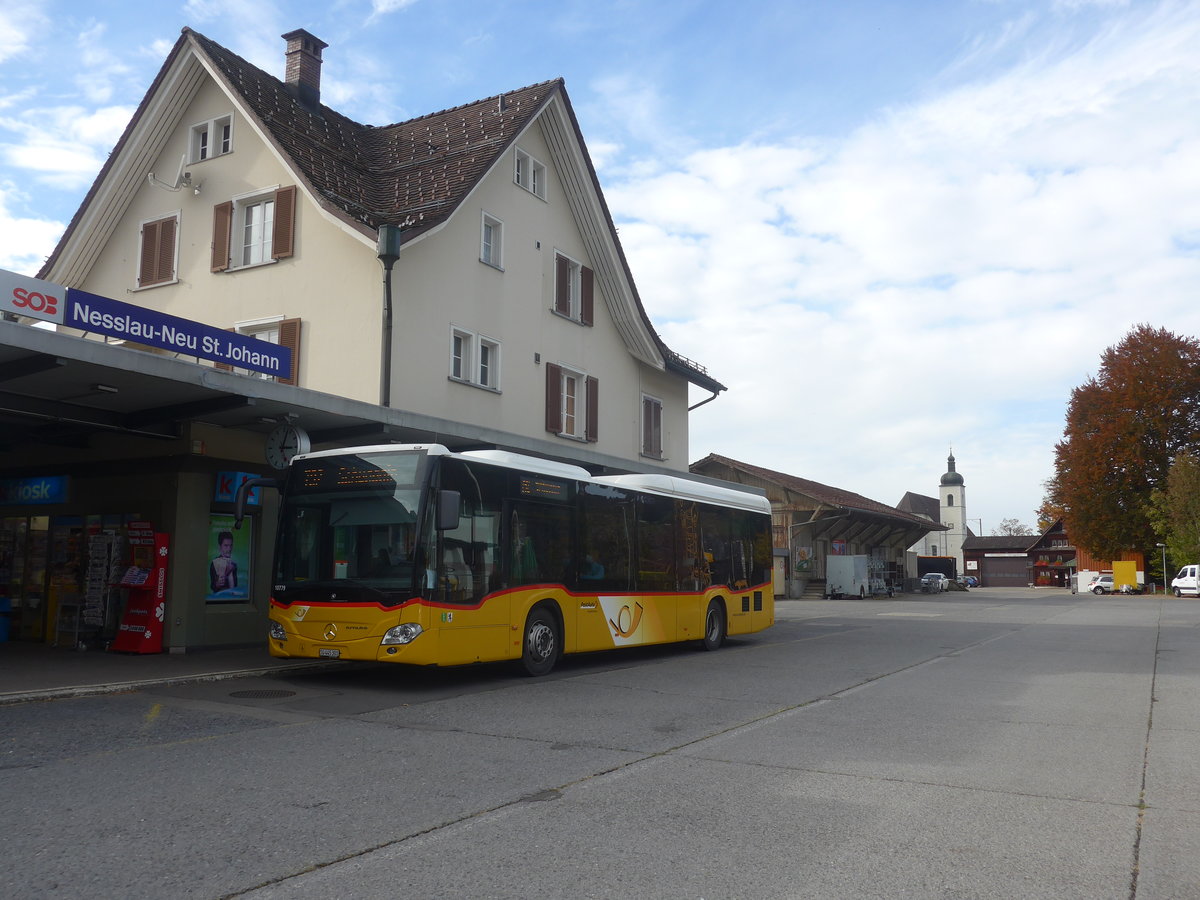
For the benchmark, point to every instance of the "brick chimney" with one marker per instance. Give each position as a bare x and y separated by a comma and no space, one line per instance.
303,70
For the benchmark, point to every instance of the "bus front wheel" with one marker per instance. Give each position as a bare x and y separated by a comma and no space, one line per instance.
542,641
714,626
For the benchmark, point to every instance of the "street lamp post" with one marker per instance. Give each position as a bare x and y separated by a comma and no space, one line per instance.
1163,547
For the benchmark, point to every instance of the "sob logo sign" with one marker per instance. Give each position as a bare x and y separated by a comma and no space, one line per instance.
32,297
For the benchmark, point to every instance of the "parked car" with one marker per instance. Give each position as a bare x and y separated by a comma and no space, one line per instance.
972,581
934,582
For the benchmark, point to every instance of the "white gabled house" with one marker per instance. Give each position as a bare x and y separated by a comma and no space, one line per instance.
239,200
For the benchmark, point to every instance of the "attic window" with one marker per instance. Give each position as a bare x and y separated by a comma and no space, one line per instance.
530,174
212,138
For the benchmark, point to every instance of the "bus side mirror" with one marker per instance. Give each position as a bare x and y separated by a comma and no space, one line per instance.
243,491
447,514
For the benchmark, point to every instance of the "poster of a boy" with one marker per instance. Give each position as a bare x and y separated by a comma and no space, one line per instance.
229,572
223,571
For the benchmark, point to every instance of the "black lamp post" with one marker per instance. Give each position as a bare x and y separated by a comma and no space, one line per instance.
1163,547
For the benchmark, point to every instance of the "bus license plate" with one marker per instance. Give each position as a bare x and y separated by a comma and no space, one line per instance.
329,652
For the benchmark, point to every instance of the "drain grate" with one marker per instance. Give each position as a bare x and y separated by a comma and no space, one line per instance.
262,695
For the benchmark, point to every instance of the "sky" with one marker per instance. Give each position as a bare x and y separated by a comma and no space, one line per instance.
892,229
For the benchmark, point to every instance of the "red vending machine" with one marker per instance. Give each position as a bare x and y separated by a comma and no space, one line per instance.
141,629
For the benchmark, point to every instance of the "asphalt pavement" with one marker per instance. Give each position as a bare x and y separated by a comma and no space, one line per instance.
35,671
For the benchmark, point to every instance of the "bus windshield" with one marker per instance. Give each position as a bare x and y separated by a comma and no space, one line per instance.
350,529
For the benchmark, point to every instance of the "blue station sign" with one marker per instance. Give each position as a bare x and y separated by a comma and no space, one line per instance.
125,321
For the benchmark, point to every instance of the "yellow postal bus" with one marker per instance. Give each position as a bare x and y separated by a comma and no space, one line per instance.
414,554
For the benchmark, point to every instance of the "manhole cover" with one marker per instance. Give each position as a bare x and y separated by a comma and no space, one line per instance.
262,695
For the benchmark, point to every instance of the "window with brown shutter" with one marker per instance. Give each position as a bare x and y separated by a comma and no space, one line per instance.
562,285
586,294
651,427
156,258
284,235
572,403
574,290
592,427
222,225
553,398
289,336
245,219
285,332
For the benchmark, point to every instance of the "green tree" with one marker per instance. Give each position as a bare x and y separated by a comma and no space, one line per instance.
1175,511
1124,428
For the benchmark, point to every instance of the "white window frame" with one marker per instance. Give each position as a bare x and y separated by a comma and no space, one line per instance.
460,354
474,359
578,417
487,368
207,140
647,448
491,252
529,173
264,329
237,229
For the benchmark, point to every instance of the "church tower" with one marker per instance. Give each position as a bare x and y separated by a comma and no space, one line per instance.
952,499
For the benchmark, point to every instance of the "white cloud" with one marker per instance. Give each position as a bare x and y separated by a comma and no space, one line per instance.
383,7
21,23
24,241
944,274
63,146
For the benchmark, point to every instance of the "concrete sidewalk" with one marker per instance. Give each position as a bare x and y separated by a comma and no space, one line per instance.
32,671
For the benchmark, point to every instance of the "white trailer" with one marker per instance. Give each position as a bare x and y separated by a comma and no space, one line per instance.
847,576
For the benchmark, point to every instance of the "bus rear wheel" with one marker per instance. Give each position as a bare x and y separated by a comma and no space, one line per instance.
542,642
714,626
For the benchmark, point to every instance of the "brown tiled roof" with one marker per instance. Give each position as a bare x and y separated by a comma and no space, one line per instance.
412,174
823,493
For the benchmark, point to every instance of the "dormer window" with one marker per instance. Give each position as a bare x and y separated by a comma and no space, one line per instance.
211,138
530,174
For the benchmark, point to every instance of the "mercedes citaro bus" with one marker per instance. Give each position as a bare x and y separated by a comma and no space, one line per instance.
414,554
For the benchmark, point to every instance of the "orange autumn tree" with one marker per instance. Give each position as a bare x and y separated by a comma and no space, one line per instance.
1124,428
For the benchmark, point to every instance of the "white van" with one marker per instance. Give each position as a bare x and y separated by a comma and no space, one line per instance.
1186,581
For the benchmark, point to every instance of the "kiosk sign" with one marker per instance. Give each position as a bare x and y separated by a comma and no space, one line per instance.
73,308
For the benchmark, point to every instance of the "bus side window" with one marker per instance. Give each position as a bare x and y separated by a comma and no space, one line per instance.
606,535
714,543
539,537
656,544
470,551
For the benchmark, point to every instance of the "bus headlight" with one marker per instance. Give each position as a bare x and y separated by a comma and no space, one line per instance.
402,634
277,632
